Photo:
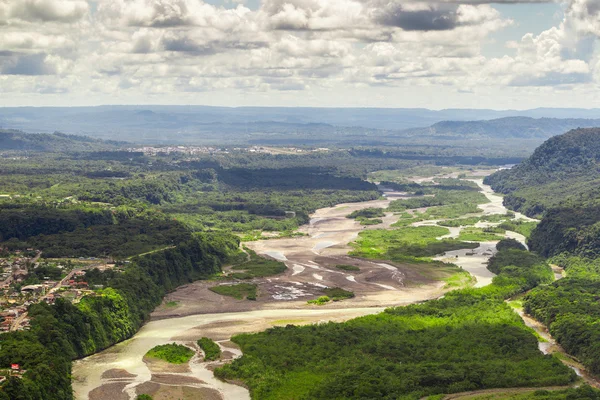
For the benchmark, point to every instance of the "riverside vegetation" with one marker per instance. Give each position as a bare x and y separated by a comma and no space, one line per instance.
171,220
560,183
172,353
468,340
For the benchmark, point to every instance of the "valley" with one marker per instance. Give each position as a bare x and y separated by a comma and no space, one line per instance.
290,264
193,310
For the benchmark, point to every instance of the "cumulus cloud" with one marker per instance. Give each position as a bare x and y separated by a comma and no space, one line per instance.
43,10
12,63
423,17
154,47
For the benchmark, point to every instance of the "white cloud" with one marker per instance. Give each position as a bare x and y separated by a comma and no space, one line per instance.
64,11
164,47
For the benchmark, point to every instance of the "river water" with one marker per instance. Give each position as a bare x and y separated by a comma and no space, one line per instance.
128,355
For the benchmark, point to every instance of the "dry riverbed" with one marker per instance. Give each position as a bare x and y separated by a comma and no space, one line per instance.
193,311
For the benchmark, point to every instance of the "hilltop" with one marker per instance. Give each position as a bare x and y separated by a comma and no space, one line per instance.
507,127
20,141
560,182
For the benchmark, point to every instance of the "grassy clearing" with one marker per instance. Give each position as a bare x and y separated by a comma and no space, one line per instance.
256,267
211,350
460,222
238,291
461,199
479,235
516,304
172,353
171,304
406,244
459,280
322,300
523,227
451,211
346,267
367,221
498,217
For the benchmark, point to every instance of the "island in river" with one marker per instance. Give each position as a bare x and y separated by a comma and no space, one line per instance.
121,372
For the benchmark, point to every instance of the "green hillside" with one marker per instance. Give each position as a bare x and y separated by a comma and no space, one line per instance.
560,181
17,140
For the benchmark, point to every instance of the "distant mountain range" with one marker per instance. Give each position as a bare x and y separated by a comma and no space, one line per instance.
508,127
293,126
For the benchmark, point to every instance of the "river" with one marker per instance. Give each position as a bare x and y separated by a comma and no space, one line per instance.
120,371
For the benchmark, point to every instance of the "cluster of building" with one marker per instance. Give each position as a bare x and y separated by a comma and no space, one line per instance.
16,297
197,150
15,370
165,150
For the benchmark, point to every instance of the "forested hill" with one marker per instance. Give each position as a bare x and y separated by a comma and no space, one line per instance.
17,140
560,181
508,127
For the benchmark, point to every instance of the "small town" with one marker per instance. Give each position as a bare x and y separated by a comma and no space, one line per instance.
197,150
25,280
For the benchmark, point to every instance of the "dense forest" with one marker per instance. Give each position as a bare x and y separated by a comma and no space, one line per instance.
63,332
467,340
188,214
560,183
120,204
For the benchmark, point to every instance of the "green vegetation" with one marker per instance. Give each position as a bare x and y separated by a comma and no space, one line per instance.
459,222
211,350
17,140
65,331
529,268
144,397
525,228
170,216
320,301
467,199
374,221
172,353
509,243
460,279
570,309
367,213
337,294
468,340
238,291
560,183
346,267
562,170
584,392
467,221
409,243
256,267
480,234
368,216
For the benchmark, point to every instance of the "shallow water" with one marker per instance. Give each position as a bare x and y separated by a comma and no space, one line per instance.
128,355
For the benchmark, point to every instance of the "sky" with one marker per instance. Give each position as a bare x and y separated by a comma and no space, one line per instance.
514,54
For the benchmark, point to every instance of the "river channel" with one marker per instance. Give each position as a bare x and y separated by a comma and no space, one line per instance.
121,372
